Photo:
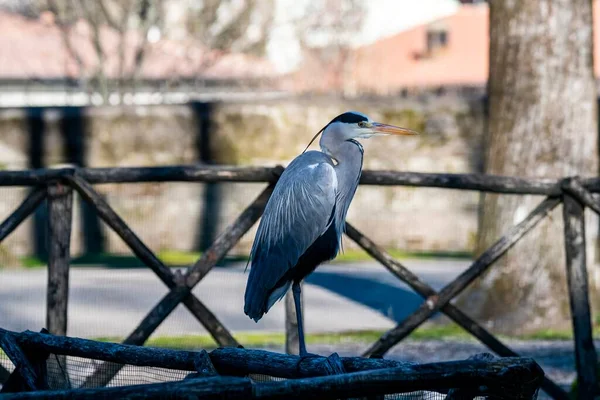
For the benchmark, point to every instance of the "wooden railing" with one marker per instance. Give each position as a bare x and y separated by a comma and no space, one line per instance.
56,185
227,373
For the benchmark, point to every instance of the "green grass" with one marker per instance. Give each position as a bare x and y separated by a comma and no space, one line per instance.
361,255
32,262
176,258
269,339
448,331
551,334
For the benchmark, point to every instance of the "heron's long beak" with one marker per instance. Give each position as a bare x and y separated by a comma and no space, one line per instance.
392,130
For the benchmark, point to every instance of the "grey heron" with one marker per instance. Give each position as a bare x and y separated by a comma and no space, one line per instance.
304,219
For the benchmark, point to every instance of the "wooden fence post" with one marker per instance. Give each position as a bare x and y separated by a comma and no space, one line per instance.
60,206
577,279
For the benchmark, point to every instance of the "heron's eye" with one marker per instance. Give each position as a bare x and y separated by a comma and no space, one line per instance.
362,124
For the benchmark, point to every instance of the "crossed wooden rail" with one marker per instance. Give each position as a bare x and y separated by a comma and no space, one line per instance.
57,184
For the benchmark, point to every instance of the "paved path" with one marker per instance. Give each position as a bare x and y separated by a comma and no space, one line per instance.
111,302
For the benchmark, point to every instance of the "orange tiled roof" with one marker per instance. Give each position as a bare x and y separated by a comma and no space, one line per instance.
400,61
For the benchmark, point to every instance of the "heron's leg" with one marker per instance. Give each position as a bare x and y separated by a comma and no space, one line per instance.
296,290
334,363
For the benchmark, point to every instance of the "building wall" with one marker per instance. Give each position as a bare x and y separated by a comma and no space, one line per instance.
178,215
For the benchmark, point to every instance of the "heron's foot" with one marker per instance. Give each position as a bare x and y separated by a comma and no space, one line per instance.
307,356
333,363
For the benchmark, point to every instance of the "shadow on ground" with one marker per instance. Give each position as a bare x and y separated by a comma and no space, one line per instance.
392,301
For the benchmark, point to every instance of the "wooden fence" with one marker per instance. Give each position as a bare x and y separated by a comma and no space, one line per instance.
56,185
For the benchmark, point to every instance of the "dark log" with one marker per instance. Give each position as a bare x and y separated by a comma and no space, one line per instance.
22,365
112,219
4,374
462,319
180,173
198,388
577,279
60,207
507,378
469,393
433,303
478,182
28,206
207,261
242,362
114,352
33,177
227,361
38,360
211,173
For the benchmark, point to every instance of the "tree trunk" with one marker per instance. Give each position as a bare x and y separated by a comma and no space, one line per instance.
542,123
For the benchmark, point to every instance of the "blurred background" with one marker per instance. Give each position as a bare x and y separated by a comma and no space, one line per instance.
111,83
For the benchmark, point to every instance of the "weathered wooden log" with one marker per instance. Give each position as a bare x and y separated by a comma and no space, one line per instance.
508,378
434,303
114,352
28,206
211,173
32,177
181,173
60,207
577,280
38,360
196,388
22,365
241,362
4,374
462,319
112,219
227,361
478,182
207,261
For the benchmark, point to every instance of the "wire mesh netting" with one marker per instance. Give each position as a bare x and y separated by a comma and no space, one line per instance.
67,372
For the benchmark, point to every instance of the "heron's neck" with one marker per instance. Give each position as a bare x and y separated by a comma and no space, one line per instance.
349,157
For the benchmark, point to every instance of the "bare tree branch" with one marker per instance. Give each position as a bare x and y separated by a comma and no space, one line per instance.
110,19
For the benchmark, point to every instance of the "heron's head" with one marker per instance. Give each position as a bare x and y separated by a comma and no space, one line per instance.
356,125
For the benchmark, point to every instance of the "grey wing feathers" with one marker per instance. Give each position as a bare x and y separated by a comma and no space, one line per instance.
298,212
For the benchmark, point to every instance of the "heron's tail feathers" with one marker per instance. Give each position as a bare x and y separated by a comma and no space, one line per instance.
266,284
259,302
